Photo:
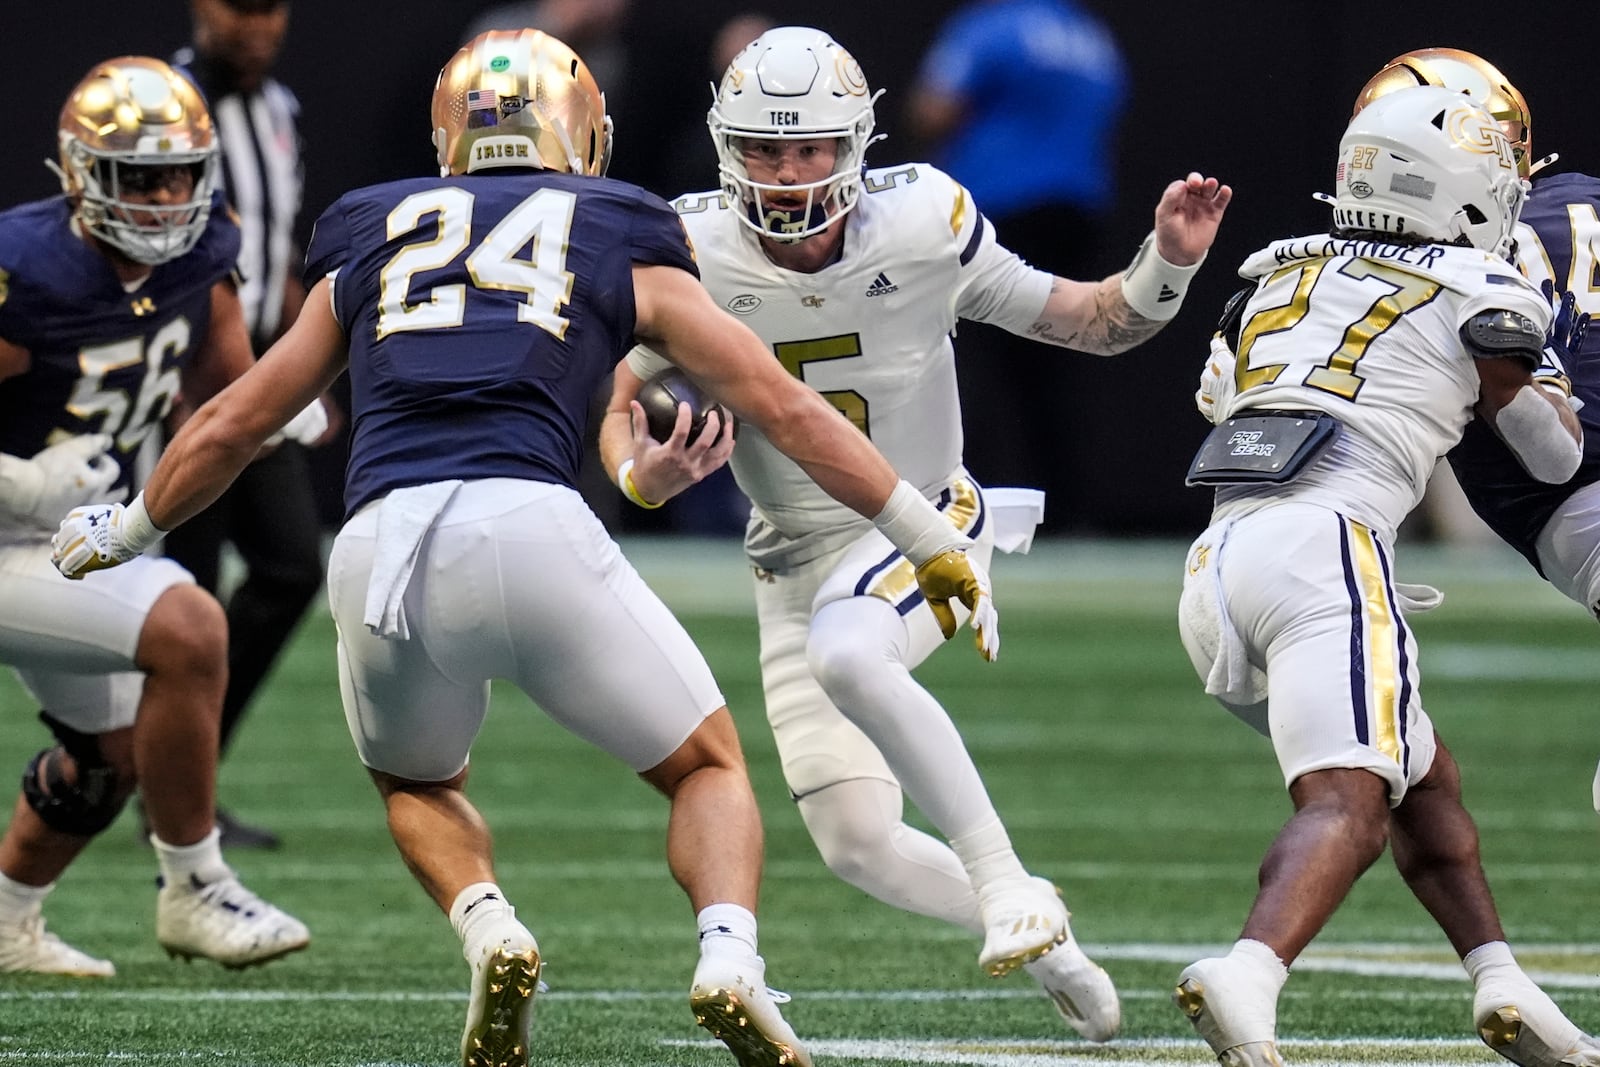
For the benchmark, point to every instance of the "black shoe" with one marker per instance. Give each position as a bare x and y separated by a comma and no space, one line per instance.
236,834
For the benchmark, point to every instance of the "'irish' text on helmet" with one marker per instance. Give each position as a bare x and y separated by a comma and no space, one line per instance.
519,98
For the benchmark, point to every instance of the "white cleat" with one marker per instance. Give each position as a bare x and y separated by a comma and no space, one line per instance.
26,947
1519,1020
1081,990
505,980
224,921
1022,920
730,999
1239,1022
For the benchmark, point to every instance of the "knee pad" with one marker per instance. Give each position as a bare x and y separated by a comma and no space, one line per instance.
83,803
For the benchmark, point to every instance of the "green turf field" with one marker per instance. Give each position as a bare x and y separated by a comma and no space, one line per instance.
1118,778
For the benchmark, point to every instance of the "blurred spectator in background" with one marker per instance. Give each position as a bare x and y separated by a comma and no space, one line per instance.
1020,101
270,515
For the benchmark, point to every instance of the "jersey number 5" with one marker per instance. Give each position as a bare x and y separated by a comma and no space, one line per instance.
543,221
794,355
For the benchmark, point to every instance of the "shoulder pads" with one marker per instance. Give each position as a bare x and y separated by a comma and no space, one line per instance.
1497,334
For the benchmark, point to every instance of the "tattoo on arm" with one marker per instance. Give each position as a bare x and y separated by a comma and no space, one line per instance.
1113,326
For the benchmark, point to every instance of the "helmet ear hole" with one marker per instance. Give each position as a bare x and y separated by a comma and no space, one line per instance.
1474,216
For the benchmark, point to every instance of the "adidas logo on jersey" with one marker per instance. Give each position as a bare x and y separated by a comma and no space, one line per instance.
882,286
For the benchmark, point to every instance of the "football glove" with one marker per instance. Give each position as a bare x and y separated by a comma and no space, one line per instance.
954,575
1217,384
76,471
1561,344
101,536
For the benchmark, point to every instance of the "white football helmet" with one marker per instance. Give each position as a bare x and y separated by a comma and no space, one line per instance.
125,125
793,83
1429,163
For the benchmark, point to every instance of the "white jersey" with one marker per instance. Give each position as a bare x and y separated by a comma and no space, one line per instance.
870,332
1369,332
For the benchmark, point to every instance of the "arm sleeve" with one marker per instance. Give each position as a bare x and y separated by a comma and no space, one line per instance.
1505,290
646,362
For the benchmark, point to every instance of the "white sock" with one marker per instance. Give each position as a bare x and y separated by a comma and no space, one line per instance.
727,930
1491,959
476,911
18,901
987,855
1262,961
200,862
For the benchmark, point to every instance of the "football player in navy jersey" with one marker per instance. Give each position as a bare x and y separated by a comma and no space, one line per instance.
1557,527
478,312
112,297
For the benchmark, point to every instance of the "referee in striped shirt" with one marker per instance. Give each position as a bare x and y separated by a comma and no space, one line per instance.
270,513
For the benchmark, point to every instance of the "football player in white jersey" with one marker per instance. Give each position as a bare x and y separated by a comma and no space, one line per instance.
856,279
1361,355
1556,527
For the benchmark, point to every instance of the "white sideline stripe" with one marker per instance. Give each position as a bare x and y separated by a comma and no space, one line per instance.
1366,959
1011,1053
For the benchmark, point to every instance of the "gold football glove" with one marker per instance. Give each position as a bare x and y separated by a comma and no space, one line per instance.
954,575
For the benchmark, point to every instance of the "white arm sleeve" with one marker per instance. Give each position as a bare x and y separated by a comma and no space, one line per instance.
1532,429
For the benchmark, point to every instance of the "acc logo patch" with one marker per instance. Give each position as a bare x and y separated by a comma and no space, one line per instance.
744,303
1360,190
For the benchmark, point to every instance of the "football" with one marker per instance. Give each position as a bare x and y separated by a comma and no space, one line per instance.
660,397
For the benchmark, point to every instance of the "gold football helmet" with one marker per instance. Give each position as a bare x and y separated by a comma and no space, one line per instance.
133,135
1462,72
519,98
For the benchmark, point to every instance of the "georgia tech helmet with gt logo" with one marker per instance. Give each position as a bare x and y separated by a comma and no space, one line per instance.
519,98
792,83
1428,163
128,122
1462,72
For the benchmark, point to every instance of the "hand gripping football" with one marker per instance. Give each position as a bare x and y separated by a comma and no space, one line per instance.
660,397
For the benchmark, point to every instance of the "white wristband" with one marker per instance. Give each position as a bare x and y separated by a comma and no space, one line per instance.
915,527
138,532
629,490
1153,287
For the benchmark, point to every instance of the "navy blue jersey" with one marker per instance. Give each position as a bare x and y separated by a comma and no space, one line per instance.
483,312
1564,214
103,359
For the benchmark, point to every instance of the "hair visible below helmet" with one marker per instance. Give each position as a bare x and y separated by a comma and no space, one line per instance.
793,83
1428,163
519,98
127,114
1462,72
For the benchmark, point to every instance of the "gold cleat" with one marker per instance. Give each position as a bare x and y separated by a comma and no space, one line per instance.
1005,965
497,1031
721,1012
1501,1027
